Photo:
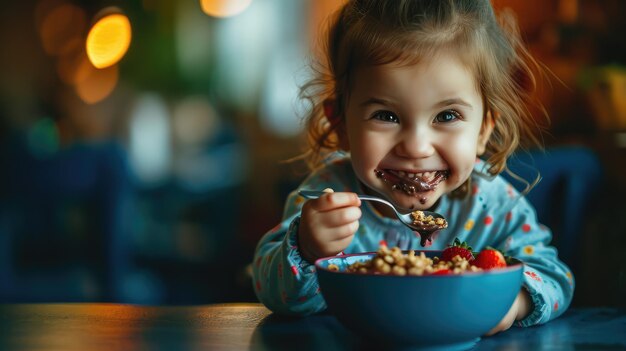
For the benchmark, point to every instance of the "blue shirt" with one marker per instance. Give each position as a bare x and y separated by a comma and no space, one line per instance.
494,214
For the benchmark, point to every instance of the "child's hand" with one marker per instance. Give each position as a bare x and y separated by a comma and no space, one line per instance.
328,224
518,311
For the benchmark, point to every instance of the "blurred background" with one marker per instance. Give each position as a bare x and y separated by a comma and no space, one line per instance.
141,142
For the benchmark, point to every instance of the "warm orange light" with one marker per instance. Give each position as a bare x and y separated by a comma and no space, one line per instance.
97,84
568,11
224,8
108,40
61,29
75,68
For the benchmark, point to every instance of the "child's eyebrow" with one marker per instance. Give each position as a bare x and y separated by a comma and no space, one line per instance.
441,104
375,101
454,101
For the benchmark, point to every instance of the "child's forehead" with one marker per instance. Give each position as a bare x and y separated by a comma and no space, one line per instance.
445,74
450,69
383,55
450,58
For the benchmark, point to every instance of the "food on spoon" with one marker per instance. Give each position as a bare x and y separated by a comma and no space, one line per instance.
427,225
421,219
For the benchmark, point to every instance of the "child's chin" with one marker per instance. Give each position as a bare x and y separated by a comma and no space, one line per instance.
416,201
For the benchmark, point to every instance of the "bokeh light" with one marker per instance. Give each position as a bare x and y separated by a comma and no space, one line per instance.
108,39
43,138
74,68
97,84
61,29
194,122
150,139
224,8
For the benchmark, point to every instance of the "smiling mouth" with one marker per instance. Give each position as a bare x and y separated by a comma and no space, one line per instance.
412,183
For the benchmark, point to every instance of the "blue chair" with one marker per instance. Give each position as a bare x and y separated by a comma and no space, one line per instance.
64,222
571,177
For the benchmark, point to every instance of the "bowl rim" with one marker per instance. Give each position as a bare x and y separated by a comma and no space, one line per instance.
518,265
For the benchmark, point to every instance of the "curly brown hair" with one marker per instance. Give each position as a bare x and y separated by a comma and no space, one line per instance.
375,32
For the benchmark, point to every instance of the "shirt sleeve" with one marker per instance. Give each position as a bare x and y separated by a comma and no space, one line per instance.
283,281
549,281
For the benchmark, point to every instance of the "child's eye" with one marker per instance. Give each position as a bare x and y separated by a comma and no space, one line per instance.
386,116
447,116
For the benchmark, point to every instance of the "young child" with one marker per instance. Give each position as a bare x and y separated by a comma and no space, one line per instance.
414,92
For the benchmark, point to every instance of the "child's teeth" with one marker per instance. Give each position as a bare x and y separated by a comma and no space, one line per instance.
422,176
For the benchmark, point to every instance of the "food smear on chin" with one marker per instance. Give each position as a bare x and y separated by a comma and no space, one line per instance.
411,184
427,225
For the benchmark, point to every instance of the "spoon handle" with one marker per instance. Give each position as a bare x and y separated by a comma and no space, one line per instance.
314,194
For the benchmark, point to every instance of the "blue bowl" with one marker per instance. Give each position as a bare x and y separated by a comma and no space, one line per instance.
447,312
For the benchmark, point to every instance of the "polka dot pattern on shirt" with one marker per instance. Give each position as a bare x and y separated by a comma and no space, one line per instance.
488,220
529,250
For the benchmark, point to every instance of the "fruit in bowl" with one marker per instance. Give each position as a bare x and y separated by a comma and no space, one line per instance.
444,304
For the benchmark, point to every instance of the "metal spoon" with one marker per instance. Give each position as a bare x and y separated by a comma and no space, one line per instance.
424,229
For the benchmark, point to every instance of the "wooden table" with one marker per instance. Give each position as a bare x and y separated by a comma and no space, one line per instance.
247,326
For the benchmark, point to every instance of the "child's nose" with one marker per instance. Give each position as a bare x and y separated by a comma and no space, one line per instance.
415,144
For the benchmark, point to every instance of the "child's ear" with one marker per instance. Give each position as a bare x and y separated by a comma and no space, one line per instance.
331,112
485,132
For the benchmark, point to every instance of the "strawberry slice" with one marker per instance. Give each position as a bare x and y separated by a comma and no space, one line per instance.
489,258
457,248
442,271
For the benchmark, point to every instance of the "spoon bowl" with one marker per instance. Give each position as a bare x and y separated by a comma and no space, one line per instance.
425,228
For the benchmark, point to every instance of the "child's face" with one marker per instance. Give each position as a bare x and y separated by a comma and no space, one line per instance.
414,131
